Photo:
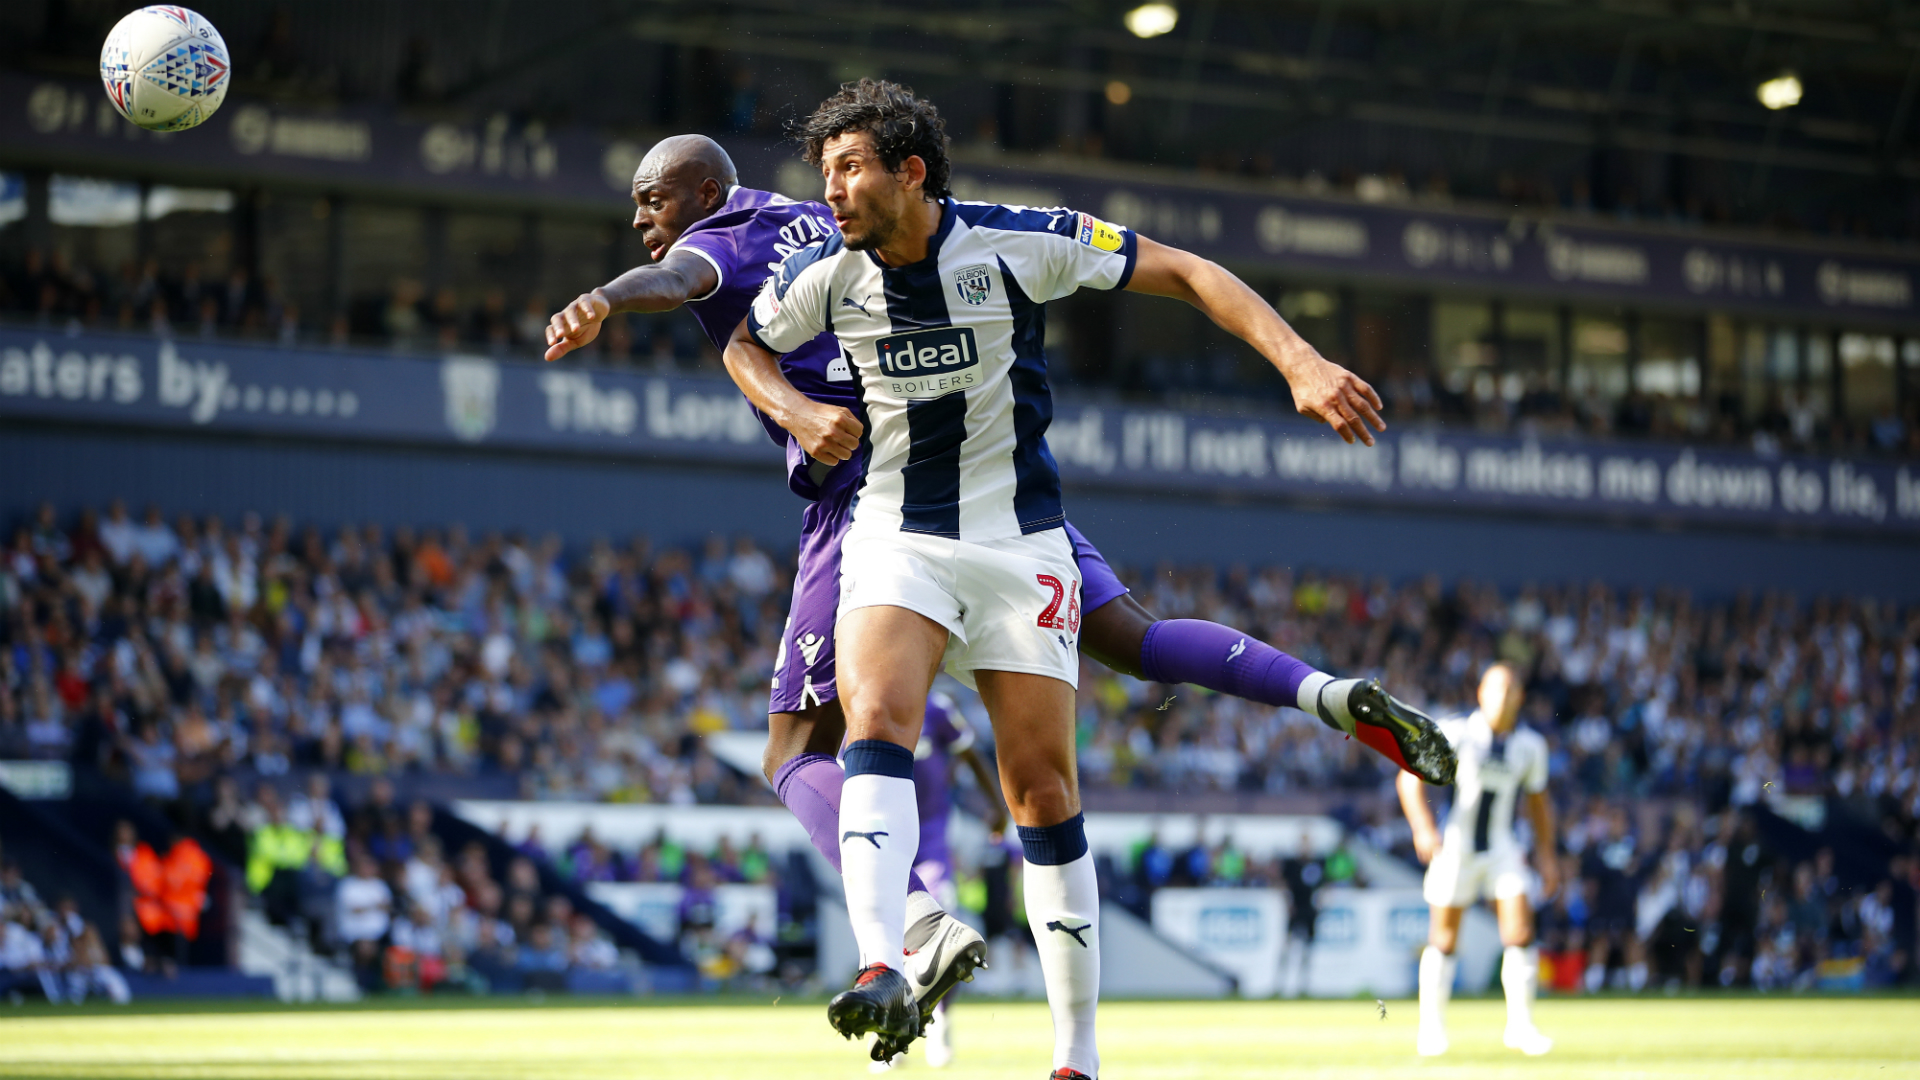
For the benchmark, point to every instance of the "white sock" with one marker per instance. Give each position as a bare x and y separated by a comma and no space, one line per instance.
1320,689
921,904
1063,911
1519,976
1436,986
879,835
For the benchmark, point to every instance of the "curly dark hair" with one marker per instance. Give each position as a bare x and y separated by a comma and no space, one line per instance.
901,124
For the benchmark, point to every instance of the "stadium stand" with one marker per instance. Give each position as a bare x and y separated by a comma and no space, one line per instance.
178,301
242,679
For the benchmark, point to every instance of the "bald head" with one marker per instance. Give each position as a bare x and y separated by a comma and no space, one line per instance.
681,180
687,158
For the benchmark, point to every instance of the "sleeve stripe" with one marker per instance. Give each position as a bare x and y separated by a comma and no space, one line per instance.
1130,251
719,275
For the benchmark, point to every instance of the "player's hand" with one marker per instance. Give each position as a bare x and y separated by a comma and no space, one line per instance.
828,433
1426,844
997,821
576,324
1338,398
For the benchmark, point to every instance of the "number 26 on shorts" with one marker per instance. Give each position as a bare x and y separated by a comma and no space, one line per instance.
1050,618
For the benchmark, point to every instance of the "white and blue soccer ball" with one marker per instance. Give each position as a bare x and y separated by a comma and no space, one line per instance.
165,68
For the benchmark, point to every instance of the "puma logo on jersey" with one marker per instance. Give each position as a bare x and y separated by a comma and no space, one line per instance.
869,837
861,307
810,644
1233,653
1073,932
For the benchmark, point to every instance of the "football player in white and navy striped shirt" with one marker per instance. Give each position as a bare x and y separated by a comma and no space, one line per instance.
1477,854
956,554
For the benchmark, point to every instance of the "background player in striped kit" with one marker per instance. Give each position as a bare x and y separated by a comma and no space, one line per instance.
1478,855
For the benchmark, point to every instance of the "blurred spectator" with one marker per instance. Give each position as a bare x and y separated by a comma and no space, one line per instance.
363,912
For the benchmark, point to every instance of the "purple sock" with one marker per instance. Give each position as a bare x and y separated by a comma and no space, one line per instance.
1221,658
810,786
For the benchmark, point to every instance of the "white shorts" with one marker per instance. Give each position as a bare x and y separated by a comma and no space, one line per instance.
1457,879
1008,605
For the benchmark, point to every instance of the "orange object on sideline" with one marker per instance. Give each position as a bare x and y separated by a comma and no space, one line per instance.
169,893
188,871
149,877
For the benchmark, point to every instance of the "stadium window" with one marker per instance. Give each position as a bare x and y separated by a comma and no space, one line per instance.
1463,352
1669,363
1532,344
1816,372
91,202
13,198
1866,365
1314,311
1599,367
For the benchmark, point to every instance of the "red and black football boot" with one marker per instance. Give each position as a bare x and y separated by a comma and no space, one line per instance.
880,1001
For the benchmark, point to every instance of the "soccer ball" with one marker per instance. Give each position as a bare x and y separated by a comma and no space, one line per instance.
165,68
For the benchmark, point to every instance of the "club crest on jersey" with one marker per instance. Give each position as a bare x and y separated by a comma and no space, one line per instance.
973,283
1099,235
810,644
929,363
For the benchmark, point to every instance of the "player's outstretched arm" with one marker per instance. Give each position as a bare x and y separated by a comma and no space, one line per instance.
827,433
1321,389
663,286
1413,802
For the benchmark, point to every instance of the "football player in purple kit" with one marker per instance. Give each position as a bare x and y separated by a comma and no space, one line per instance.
714,245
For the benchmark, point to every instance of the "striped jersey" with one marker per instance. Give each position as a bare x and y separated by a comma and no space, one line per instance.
1494,770
949,353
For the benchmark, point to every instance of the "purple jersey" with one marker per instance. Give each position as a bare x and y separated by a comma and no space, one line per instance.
945,734
746,240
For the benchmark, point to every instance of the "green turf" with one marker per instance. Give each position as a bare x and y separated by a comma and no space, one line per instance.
1748,1039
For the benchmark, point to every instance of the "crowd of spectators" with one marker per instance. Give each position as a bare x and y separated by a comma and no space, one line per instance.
372,884
1647,699
50,950
188,658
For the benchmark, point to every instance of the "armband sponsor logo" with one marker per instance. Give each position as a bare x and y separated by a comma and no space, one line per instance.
1098,234
929,363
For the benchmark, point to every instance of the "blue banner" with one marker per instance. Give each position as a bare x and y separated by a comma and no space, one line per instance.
194,385
364,150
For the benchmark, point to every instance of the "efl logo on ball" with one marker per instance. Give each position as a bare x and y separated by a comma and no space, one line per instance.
165,68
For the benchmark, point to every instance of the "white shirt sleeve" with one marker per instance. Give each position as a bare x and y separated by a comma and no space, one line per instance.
1535,779
1078,251
791,309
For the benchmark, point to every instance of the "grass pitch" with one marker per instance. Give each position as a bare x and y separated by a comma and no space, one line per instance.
1746,1038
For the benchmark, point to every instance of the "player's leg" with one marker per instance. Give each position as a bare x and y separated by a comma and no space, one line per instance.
938,1034
805,724
801,763
1437,966
887,659
1519,972
1033,734
1124,636
1453,881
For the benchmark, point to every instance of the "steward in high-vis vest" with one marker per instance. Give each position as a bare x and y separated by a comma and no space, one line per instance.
278,853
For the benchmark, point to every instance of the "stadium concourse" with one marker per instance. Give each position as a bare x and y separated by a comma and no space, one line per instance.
179,301
277,691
